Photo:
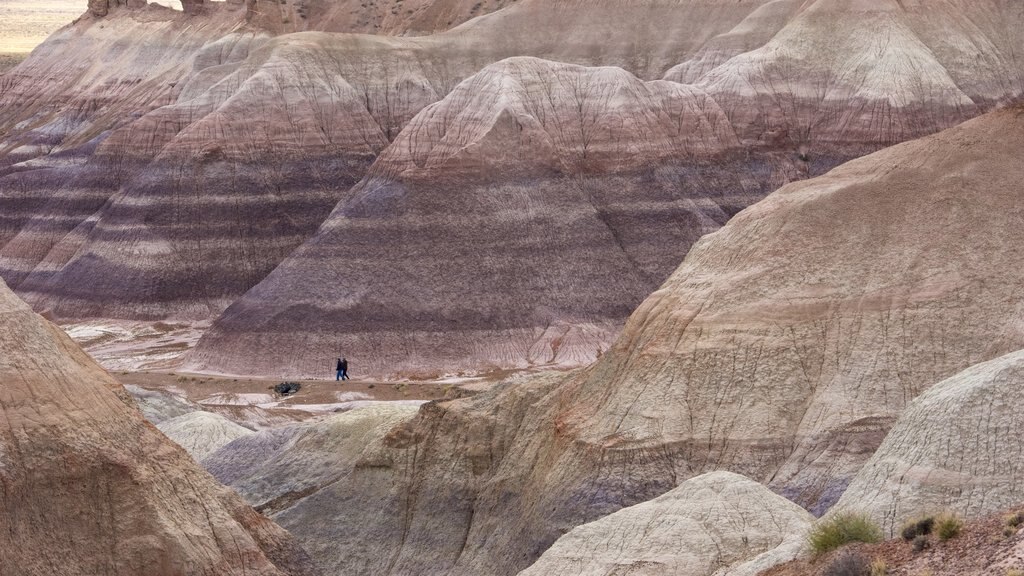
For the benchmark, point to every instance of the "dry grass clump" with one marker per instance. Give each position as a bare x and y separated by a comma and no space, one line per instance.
879,567
948,525
841,529
848,564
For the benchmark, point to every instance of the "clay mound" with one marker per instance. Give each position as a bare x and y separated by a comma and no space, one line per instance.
188,167
719,523
879,71
516,222
165,179
788,342
160,406
505,227
305,475
263,467
80,466
954,448
202,433
783,348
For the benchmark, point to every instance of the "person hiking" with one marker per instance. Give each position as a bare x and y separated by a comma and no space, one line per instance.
343,368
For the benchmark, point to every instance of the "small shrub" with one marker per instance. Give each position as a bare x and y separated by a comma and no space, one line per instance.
1009,531
917,528
879,567
844,528
1015,520
848,564
948,526
921,543
1014,572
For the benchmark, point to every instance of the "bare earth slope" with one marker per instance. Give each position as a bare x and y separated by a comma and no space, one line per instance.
91,488
783,348
954,448
517,221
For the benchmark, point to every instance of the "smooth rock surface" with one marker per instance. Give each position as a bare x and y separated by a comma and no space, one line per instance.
955,448
90,487
202,433
715,524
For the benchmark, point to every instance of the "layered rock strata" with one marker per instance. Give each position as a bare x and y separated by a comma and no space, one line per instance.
783,348
515,223
91,488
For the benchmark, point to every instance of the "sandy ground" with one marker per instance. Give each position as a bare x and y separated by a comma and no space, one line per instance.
325,394
24,24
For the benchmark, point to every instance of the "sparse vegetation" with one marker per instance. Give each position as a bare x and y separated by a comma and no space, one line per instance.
948,526
919,527
879,567
1014,572
921,543
841,529
849,564
1015,520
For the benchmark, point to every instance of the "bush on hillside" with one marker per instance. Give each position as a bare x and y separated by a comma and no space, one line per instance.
841,529
948,526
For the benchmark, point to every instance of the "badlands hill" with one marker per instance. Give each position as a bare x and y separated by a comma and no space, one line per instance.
166,178
91,488
519,219
784,348
954,448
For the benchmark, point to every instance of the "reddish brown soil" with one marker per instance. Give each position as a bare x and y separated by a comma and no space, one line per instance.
984,547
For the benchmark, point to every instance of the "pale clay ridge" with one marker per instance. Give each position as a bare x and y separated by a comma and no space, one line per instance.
717,524
783,348
956,448
621,175
202,433
80,466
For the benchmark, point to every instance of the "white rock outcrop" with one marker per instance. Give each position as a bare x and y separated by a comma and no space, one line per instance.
957,447
202,433
716,524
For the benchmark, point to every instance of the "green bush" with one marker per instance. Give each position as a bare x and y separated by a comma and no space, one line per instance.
948,526
841,529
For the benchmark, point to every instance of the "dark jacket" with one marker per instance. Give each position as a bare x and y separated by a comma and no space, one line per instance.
341,365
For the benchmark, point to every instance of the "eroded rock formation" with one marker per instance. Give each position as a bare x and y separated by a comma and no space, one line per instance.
783,348
955,448
176,175
516,222
90,487
202,433
718,524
